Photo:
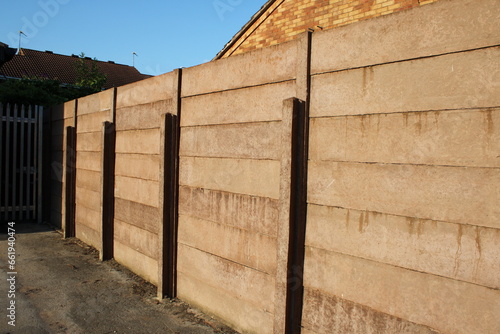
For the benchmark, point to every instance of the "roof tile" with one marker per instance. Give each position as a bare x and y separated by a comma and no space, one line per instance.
33,63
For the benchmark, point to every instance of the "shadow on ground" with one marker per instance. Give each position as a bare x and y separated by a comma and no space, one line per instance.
62,287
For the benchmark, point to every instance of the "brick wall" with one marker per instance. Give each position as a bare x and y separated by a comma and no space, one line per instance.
285,19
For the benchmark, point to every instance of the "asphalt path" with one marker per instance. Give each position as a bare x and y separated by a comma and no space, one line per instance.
60,286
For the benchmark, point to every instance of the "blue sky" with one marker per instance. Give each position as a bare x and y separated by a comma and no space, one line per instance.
165,34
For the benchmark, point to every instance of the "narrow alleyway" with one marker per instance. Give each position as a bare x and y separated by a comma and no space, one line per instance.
62,287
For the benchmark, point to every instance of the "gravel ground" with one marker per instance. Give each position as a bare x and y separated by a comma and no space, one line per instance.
62,287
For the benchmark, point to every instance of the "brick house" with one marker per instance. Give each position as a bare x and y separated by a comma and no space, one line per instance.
280,21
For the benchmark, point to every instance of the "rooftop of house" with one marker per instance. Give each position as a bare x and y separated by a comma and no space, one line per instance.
6,53
46,64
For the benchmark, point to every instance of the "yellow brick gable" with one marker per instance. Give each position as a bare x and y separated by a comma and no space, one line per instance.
285,19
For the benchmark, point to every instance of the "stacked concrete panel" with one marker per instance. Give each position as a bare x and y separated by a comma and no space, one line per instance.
403,231
403,215
230,173
139,110
91,113
62,116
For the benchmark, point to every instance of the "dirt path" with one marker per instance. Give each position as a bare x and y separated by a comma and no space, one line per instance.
62,287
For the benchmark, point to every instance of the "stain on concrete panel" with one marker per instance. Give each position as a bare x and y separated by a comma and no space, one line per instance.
328,314
453,137
258,214
453,194
445,249
444,304
454,81
137,214
137,239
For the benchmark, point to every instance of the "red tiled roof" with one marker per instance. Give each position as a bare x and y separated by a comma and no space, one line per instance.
33,63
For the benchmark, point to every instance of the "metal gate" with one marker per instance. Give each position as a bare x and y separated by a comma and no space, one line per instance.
21,134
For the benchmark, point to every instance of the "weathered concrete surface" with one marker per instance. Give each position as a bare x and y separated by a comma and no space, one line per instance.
92,111
445,26
403,176
258,214
143,265
284,216
327,314
248,248
273,64
90,142
89,180
454,81
143,116
138,172
142,216
61,116
455,138
241,315
63,288
89,161
88,235
69,109
88,198
446,305
88,224
136,238
139,166
254,104
451,194
88,217
242,176
137,190
463,252
229,277
92,122
138,141
158,88
243,297
96,103
249,140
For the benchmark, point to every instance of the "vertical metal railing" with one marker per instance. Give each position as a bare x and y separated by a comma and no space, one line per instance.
21,133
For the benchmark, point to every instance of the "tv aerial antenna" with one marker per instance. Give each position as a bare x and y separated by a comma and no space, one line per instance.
133,58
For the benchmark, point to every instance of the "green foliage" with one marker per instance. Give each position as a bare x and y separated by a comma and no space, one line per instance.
38,91
88,74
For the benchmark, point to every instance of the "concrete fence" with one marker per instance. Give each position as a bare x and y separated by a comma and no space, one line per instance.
344,182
